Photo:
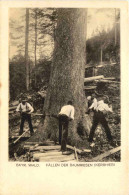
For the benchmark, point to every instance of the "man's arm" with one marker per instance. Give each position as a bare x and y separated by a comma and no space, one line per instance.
18,108
93,105
31,109
72,113
107,108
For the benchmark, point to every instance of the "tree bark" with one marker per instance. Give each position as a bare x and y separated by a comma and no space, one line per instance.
26,48
67,76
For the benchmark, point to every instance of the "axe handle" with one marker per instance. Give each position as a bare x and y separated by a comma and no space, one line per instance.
20,137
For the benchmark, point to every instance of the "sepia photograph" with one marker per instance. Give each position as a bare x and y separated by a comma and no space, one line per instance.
64,84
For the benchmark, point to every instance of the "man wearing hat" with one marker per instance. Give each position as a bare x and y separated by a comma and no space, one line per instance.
25,110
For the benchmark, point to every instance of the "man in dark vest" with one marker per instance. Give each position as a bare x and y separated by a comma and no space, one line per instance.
25,110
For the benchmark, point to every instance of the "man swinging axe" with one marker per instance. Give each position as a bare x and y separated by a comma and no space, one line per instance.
99,117
65,115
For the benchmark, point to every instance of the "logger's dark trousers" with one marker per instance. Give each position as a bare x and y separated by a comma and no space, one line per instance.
99,118
26,117
63,131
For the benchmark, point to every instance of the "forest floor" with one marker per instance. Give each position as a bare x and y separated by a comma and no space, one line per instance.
112,90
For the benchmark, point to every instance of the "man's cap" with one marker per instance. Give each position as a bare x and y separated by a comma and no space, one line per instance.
24,99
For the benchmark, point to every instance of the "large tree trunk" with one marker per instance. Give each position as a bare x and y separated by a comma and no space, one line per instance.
67,76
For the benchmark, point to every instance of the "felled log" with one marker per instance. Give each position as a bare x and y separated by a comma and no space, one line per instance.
15,103
32,143
11,112
46,154
61,158
89,79
44,147
108,81
78,150
90,88
108,153
17,136
110,78
36,114
12,108
40,143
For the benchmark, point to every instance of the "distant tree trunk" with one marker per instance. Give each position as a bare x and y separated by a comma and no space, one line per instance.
26,48
101,55
67,77
115,28
35,44
86,31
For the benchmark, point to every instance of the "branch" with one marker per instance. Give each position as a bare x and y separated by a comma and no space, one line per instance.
104,155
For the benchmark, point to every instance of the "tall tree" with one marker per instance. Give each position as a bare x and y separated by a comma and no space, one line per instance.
16,37
115,28
35,36
35,43
67,76
26,49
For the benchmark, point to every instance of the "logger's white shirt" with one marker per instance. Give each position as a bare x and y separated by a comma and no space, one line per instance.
94,104
101,106
24,108
68,110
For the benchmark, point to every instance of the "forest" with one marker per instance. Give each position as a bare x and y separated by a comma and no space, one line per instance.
50,62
